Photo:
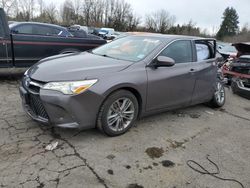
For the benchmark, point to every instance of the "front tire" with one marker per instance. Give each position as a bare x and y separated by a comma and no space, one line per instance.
219,96
118,113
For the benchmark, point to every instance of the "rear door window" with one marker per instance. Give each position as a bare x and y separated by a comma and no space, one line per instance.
45,30
180,51
23,29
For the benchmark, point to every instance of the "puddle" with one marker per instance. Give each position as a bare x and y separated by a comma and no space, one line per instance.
154,152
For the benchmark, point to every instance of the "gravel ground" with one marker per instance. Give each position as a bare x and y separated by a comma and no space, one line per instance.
154,153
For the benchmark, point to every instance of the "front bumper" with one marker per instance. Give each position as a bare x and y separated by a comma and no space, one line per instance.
67,111
241,87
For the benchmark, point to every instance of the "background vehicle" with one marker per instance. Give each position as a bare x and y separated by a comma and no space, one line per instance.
35,28
81,33
237,70
23,47
114,84
226,49
106,33
79,27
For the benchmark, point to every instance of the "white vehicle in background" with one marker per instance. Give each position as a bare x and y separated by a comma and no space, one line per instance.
80,27
107,33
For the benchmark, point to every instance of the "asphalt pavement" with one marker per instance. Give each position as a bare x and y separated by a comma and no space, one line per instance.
154,153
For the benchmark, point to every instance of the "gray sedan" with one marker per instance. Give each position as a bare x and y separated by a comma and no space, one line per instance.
111,86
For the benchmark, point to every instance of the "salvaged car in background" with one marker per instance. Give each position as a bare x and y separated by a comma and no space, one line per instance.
80,32
237,70
226,49
111,86
29,43
107,33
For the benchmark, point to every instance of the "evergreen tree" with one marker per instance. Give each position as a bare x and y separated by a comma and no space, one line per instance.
229,26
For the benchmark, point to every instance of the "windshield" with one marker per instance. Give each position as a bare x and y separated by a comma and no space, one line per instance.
132,48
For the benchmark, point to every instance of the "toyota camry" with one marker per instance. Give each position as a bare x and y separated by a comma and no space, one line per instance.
115,84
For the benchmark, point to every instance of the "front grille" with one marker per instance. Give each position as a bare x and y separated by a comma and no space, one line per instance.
246,83
37,107
33,97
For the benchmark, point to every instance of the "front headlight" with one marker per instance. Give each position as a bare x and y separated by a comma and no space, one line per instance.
69,88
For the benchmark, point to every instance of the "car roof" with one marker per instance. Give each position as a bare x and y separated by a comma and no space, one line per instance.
37,23
166,36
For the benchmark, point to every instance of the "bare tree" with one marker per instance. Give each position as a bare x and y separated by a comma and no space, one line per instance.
51,13
68,12
27,9
41,6
8,6
159,21
132,21
87,9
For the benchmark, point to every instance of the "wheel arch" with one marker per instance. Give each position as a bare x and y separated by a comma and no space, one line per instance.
69,50
129,88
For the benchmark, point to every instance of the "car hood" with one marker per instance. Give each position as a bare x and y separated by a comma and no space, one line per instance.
77,66
243,48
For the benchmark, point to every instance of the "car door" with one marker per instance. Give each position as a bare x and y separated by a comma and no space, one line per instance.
170,87
30,44
205,71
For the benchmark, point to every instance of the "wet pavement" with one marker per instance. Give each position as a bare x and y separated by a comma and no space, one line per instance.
154,153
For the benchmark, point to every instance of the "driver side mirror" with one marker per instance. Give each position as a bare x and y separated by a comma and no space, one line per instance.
163,61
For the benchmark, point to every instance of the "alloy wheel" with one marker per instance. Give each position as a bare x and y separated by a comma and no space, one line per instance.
219,93
120,114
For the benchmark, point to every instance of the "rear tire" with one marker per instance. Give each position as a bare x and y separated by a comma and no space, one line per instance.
219,96
118,113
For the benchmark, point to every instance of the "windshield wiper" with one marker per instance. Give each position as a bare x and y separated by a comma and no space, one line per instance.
105,55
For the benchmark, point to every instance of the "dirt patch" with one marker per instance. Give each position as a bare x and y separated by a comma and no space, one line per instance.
110,157
154,152
155,164
178,113
168,163
134,185
247,109
127,166
175,144
148,167
194,116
